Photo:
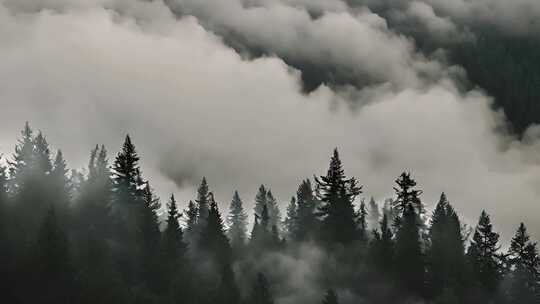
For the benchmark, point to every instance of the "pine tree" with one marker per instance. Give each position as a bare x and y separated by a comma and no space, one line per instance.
202,201
261,291
60,184
523,256
173,249
406,194
260,200
382,247
374,214
237,222
191,222
273,210
362,222
445,255
408,260
148,237
127,181
486,263
337,194
215,243
330,297
55,275
307,220
291,220
22,160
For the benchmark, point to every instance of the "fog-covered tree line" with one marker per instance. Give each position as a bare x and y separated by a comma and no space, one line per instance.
95,237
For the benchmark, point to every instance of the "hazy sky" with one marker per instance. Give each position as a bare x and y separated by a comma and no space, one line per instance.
87,72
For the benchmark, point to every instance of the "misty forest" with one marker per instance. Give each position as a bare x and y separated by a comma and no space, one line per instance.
98,237
279,151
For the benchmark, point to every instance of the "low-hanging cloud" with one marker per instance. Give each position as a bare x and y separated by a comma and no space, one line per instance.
90,73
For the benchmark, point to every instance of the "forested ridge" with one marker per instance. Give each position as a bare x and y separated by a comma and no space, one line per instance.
94,236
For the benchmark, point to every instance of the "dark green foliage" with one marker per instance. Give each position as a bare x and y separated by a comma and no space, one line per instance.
525,276
445,254
407,195
291,220
382,248
362,222
307,224
337,194
408,259
237,222
486,263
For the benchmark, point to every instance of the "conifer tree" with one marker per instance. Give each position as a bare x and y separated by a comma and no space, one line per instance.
273,210
374,215
127,182
307,219
445,255
149,239
330,297
60,184
261,291
237,222
408,260
202,201
22,159
407,194
291,220
382,247
191,222
337,194
362,222
260,200
174,248
486,262
215,243
55,276
525,279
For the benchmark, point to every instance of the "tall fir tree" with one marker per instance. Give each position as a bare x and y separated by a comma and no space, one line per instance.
237,223
362,222
307,204
374,215
148,238
525,276
382,247
407,194
273,211
290,223
487,265
337,194
445,255
215,243
260,200
127,181
173,246
191,222
408,259
261,291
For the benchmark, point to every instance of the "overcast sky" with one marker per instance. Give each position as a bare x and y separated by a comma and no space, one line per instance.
88,72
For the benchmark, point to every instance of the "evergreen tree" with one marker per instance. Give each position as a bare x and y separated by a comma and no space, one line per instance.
54,274
374,215
260,200
174,248
307,219
382,247
149,239
408,260
261,291
215,243
486,263
330,297
237,222
406,194
445,255
202,202
337,194
523,256
291,220
60,184
191,222
362,222
273,210
127,181
22,159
